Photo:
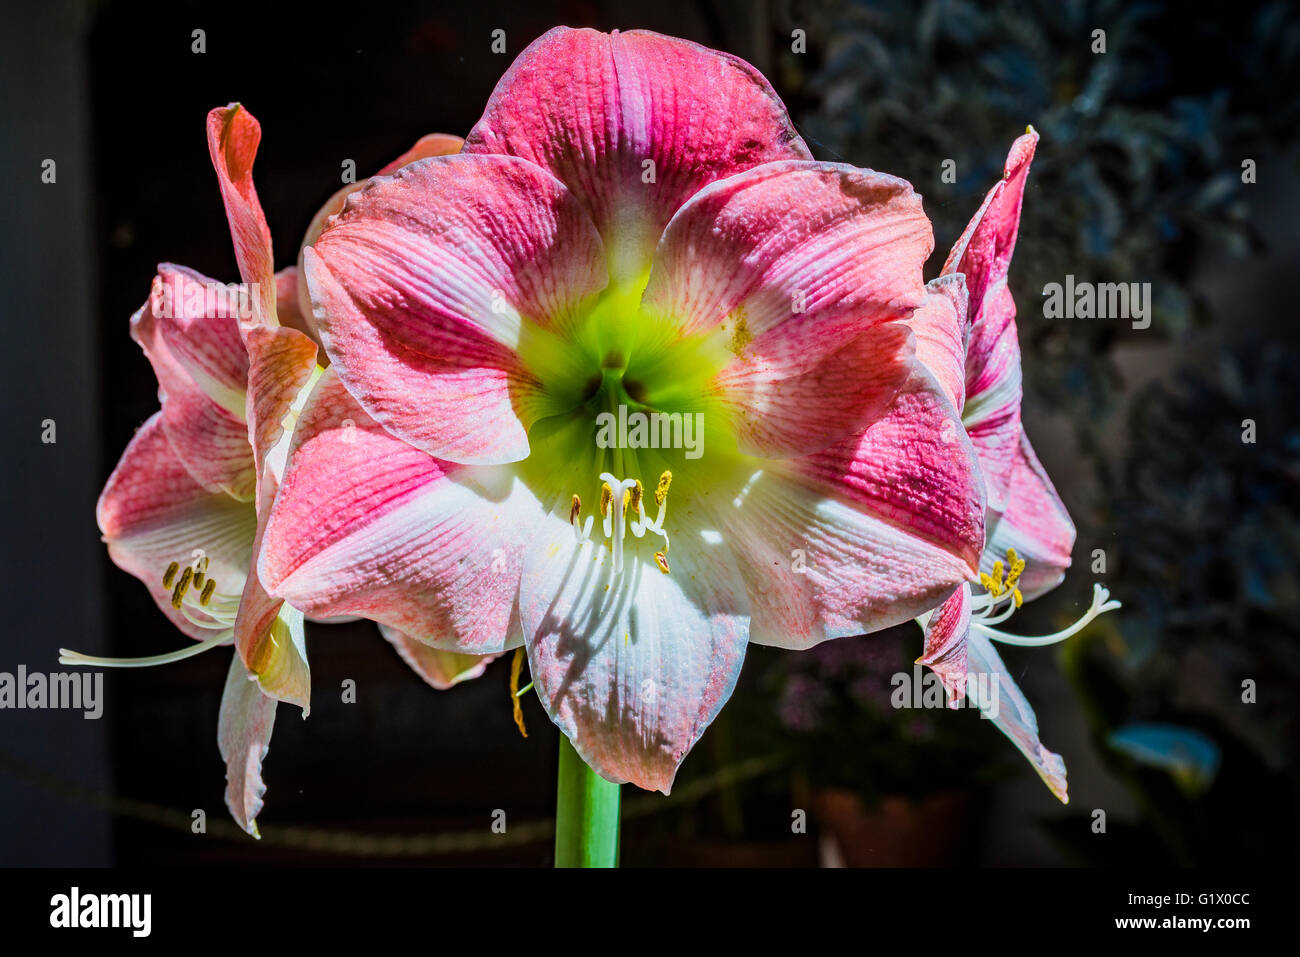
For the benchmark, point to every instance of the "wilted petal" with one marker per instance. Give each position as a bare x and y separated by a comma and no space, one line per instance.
233,136
428,283
633,669
152,513
244,736
866,534
635,124
1014,717
367,525
1035,524
440,669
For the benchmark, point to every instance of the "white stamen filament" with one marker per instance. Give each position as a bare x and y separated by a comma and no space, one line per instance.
67,657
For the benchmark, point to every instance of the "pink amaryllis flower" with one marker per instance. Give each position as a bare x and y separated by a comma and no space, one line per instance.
966,334
185,507
633,238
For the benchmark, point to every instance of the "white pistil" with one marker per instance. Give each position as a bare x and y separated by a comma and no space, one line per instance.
618,498
1101,603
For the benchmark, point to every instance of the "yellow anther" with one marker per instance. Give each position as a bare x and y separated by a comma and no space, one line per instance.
182,586
1019,598
996,575
198,579
169,575
516,666
208,589
661,490
606,496
637,491
662,561
575,510
988,583
627,498
1017,566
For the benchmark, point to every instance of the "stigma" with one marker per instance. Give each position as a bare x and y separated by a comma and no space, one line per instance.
622,509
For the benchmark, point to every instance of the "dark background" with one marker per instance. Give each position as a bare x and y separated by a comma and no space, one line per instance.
1138,178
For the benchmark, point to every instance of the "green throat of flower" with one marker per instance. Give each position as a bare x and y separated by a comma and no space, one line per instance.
628,405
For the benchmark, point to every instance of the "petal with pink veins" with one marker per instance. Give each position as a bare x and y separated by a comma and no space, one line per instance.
633,668
430,282
945,653
941,330
780,405
433,144
197,355
635,124
365,524
440,669
1036,524
813,250
1014,717
865,534
983,254
244,736
152,513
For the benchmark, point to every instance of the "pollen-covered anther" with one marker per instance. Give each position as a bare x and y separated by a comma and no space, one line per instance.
662,561
661,489
575,510
182,586
169,576
606,496
208,588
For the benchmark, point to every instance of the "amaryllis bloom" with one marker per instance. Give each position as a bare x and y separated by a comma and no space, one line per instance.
185,508
1029,532
632,234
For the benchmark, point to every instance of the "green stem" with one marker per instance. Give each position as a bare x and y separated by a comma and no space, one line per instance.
586,814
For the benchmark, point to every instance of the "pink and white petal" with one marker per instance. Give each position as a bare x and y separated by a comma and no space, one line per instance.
282,362
992,414
781,405
432,144
244,737
367,525
806,250
633,668
194,346
425,285
635,124
233,137
940,325
983,255
1036,524
440,669
1010,711
946,631
866,534
152,512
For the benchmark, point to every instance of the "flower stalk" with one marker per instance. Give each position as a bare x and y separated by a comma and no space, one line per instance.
586,814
